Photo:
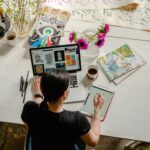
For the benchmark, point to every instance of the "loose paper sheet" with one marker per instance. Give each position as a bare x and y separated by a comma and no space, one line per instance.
138,18
89,4
100,12
100,4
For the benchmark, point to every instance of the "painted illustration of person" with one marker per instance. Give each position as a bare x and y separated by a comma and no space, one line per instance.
59,56
38,58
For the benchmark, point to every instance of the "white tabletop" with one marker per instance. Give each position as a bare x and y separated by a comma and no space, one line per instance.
128,115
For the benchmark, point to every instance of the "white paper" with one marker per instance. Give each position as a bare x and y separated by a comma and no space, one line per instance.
138,19
100,4
88,4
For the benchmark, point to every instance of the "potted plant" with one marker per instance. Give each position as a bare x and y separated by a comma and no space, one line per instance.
21,14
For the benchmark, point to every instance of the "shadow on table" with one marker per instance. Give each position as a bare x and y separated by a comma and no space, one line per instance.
87,82
5,49
26,45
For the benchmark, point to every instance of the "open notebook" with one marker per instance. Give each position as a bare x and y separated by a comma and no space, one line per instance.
120,63
88,108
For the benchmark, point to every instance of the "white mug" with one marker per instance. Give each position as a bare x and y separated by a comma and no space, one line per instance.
92,72
11,38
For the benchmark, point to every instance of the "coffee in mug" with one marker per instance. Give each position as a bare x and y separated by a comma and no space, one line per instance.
11,38
92,72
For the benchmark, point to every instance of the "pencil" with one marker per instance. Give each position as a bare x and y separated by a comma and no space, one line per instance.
25,86
24,96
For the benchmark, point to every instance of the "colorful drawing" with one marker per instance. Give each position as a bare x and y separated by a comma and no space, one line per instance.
38,42
55,40
118,62
68,62
38,69
73,59
49,42
70,59
35,36
67,57
43,42
50,25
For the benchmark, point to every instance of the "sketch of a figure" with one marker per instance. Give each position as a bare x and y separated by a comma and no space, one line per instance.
59,56
38,58
49,58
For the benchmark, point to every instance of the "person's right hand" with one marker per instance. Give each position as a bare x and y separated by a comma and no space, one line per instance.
98,102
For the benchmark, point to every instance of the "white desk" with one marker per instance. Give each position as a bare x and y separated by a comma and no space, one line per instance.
128,115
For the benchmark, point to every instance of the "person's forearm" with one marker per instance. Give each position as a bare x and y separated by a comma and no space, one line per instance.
96,124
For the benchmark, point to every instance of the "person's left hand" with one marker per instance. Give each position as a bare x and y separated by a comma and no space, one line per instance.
36,89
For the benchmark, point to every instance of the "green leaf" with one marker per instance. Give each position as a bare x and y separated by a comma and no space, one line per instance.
8,11
17,11
13,3
32,4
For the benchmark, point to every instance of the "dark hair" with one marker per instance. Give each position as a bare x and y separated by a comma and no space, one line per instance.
53,84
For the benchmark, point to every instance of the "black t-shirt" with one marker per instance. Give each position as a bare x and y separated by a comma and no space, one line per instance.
53,131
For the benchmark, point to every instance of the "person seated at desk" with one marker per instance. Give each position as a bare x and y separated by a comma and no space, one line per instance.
52,127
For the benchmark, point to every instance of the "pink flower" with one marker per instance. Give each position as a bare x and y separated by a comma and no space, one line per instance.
72,36
101,36
106,28
83,44
100,43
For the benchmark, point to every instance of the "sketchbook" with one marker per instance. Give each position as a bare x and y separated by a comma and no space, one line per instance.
142,62
49,28
119,62
88,108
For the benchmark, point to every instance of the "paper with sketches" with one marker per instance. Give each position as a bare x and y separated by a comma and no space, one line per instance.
88,4
100,4
138,18
118,62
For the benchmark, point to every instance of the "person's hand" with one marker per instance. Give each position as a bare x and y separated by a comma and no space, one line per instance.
36,86
98,102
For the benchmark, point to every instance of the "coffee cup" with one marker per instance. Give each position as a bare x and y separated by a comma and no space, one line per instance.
11,38
92,72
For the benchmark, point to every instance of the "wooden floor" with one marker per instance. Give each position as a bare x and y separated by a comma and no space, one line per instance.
12,137
110,143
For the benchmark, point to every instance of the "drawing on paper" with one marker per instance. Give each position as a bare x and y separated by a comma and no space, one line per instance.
118,62
139,18
49,27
